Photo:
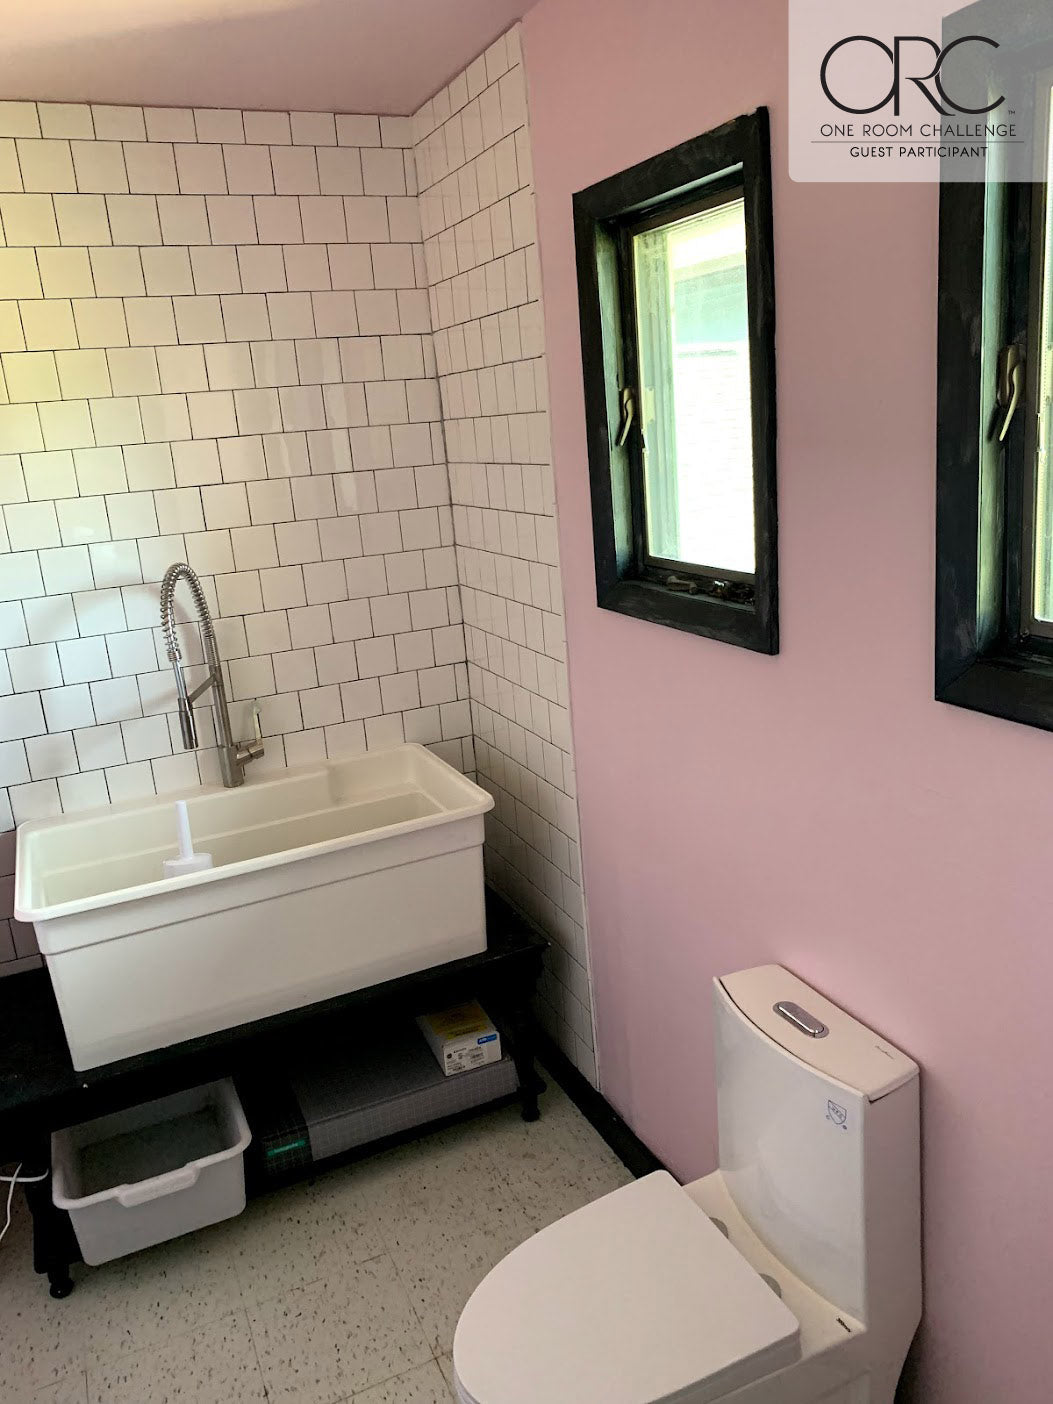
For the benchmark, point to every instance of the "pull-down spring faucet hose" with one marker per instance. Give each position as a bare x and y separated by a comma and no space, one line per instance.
172,577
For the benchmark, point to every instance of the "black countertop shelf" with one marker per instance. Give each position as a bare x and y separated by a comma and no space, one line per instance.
40,1091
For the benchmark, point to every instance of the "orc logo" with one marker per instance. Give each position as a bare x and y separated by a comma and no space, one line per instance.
921,82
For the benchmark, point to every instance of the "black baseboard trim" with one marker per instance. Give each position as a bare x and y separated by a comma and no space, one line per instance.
594,1107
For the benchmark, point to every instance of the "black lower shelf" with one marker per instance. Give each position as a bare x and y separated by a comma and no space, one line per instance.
40,1091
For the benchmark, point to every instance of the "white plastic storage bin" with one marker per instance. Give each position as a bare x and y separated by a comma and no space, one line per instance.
151,1173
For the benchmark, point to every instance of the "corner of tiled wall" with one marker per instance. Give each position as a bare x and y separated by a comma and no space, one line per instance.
226,337
472,144
215,346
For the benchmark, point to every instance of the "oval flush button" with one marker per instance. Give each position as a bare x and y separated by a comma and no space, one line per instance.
800,1018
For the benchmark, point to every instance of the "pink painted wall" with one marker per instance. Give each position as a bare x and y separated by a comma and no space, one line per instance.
818,808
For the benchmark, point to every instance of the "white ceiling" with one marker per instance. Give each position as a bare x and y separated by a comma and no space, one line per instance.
307,55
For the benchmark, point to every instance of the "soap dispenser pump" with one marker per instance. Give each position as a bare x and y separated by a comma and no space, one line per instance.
188,861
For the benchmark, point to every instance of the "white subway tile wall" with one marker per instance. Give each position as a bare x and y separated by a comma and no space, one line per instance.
477,219
215,347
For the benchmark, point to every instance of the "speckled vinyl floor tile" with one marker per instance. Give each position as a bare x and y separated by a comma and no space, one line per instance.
344,1288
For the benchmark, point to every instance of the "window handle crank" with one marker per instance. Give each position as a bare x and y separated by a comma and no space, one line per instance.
1010,387
628,415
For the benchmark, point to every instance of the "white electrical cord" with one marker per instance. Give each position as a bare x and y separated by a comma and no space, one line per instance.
17,1179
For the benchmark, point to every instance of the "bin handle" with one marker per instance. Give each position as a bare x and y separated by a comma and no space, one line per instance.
142,1193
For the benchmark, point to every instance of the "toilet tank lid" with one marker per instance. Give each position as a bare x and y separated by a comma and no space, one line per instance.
850,1052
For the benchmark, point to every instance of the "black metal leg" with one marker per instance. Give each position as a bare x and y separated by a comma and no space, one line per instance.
61,1282
54,1244
520,1023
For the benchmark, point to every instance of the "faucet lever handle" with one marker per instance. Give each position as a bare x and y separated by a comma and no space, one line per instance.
252,748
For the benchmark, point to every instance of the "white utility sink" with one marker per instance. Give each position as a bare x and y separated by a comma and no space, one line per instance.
326,879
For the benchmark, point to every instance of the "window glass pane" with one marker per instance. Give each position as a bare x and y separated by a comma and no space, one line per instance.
694,395
1044,386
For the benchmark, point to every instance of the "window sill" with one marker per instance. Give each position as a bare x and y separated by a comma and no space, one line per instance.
738,624
1015,685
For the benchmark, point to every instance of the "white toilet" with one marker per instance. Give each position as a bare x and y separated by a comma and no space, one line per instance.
791,1275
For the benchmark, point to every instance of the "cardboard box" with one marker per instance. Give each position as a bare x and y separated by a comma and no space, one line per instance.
461,1038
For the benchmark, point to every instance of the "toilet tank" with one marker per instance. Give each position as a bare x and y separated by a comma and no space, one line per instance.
819,1141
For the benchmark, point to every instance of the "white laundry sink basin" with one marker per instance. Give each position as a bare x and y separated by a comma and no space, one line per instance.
326,879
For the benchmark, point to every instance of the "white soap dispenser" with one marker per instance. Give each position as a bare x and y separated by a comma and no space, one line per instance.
188,861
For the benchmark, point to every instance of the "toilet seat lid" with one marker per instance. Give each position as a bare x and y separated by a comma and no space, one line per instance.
631,1300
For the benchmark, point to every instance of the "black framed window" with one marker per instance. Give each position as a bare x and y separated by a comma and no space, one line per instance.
676,294
1037,520
994,549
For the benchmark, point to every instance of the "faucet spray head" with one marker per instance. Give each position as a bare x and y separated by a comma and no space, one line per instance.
187,725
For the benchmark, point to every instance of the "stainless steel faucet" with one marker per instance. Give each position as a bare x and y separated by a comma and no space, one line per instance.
234,756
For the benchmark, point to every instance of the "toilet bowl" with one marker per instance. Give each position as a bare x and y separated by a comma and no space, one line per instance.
791,1275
